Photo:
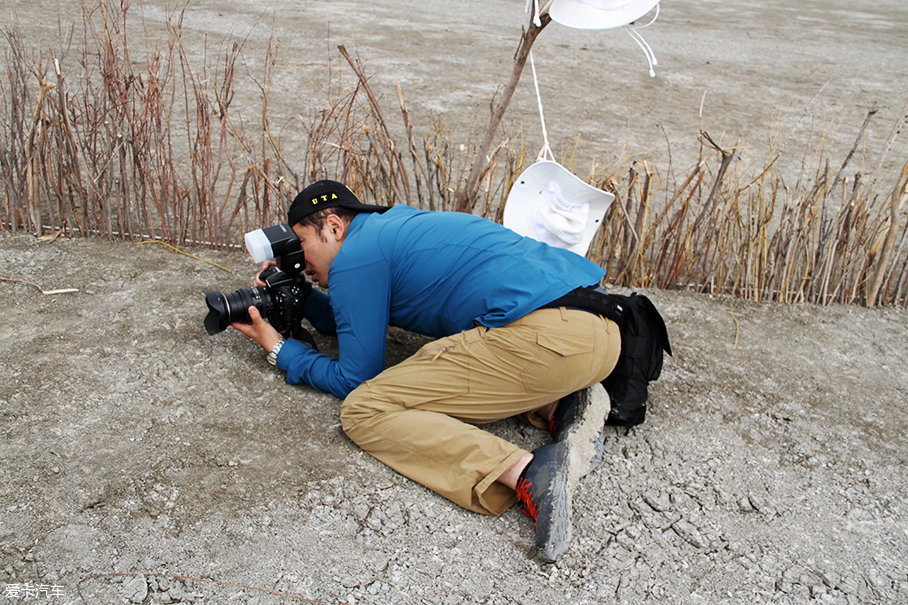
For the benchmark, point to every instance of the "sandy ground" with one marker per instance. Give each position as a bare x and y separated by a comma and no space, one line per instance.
771,466
146,462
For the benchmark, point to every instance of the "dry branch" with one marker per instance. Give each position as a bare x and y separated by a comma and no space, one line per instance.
896,201
466,193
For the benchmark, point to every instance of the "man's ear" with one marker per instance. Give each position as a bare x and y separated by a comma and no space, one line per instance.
336,226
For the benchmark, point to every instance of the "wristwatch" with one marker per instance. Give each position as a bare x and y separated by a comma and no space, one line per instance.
272,354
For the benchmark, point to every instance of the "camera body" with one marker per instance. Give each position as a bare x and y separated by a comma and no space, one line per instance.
281,300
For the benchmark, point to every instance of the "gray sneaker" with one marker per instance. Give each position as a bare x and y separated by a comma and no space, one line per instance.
544,492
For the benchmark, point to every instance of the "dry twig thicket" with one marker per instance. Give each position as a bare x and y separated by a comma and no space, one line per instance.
97,141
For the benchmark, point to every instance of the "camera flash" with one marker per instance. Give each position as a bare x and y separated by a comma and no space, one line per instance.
265,244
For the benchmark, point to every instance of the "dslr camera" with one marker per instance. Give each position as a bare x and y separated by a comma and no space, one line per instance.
280,300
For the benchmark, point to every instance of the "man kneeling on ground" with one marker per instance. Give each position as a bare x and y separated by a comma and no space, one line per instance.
482,291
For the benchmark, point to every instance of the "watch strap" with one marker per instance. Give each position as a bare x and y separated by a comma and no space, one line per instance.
275,350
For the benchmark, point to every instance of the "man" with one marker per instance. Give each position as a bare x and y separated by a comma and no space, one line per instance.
480,289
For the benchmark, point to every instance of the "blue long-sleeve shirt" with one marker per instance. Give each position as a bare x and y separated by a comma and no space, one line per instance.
434,273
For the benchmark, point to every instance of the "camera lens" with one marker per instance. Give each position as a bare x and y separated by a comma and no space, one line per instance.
224,309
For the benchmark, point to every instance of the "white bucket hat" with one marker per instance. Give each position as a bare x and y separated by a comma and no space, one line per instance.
550,204
599,14
606,14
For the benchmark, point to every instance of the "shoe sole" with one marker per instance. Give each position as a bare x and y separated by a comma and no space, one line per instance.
587,434
553,524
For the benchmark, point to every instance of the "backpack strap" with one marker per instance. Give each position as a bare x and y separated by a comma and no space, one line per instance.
593,299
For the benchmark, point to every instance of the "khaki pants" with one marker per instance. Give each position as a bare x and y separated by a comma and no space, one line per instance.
418,416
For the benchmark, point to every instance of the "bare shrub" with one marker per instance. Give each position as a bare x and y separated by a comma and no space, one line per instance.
99,139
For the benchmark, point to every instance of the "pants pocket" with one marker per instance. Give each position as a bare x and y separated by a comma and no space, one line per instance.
565,352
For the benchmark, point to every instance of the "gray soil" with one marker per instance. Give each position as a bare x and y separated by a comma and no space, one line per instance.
771,465
146,462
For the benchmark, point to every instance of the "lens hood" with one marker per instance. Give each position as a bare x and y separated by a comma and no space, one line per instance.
218,318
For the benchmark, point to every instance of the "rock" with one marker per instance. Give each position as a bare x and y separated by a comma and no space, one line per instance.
136,589
659,502
689,533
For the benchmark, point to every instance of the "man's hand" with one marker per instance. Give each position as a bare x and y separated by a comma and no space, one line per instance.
256,281
259,330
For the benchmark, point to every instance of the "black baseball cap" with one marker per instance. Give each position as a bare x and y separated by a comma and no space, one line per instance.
325,194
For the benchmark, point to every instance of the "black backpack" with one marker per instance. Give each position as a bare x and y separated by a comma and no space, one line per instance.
643,339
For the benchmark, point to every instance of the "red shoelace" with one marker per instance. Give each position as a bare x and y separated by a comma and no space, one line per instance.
525,499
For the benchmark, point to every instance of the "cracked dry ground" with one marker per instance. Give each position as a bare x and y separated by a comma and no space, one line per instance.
146,462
